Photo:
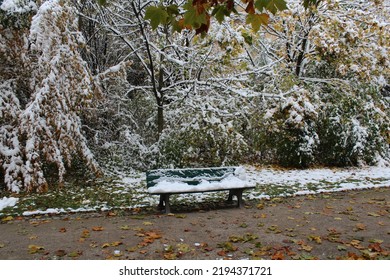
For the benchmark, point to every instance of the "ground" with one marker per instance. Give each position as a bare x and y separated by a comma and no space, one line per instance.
339,225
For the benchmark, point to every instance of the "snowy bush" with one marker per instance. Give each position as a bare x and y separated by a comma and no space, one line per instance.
46,130
354,127
290,129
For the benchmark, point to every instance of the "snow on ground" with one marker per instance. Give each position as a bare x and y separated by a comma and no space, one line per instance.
267,182
7,202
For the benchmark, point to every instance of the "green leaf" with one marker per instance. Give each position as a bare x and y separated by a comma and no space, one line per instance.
156,15
220,12
102,2
271,5
256,20
192,18
308,3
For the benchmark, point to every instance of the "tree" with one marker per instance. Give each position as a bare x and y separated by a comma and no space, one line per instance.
47,130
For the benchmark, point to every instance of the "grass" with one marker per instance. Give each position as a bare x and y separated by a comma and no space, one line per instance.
114,193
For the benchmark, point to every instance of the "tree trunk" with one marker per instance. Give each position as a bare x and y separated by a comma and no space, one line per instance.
160,119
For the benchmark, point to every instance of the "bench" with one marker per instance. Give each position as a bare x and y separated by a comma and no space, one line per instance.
165,182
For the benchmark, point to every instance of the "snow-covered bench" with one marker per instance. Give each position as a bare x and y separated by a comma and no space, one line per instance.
165,182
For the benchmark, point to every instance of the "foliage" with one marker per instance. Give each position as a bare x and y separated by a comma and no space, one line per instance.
46,127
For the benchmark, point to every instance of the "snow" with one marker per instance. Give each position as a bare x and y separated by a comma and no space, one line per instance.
288,182
8,202
230,182
18,6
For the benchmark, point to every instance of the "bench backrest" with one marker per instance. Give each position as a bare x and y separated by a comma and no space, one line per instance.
191,176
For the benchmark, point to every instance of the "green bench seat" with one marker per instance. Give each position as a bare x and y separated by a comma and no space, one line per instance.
165,182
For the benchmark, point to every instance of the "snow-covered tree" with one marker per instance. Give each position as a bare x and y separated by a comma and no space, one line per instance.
47,129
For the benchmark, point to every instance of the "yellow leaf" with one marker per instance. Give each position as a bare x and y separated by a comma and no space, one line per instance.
7,219
147,223
32,249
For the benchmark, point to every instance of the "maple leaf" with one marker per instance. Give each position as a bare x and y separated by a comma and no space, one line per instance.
256,20
60,253
278,255
360,226
33,249
271,5
156,15
85,234
99,228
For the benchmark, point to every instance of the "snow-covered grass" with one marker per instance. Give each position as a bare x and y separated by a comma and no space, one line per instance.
128,191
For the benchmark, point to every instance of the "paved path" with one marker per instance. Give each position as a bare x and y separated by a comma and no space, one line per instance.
345,225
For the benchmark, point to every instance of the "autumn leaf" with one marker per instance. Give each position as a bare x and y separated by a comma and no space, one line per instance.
60,253
147,223
62,230
170,256
181,216
2,245
373,214
85,234
75,254
156,15
125,227
228,247
33,249
306,247
7,219
360,226
375,247
99,228
278,255
256,20
315,238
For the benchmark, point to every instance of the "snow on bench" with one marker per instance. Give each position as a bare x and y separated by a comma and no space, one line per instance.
165,182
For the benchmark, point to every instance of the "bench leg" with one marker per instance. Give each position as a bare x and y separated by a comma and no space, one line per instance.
161,204
230,198
238,194
164,203
167,206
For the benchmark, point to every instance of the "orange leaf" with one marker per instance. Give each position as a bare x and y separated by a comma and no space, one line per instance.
97,228
279,255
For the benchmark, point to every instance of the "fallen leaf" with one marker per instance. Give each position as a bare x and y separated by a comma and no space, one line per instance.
147,223
125,227
260,206
75,254
278,255
307,248
7,219
85,233
375,247
181,216
153,235
33,249
62,230
99,228
170,256
60,253
373,214
116,243
105,245
2,245
341,248
315,238
360,226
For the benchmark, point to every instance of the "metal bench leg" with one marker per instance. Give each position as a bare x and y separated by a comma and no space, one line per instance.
167,206
238,194
239,198
161,204
230,198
